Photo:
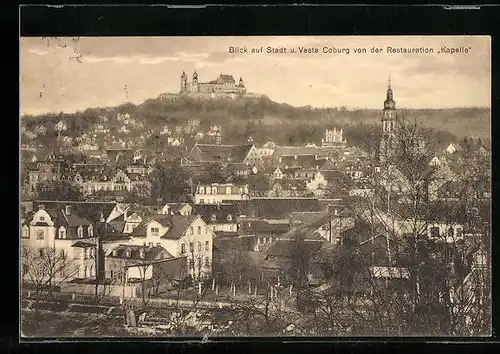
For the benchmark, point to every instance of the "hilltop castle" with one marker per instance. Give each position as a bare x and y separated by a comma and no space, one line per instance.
224,84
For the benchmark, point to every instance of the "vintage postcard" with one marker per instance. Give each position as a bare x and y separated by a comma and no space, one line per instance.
255,186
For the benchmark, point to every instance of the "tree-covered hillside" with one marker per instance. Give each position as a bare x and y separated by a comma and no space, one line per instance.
263,119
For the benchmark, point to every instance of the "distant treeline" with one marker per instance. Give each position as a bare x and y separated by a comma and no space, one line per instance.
263,119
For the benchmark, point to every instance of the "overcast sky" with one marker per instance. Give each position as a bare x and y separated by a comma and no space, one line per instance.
69,74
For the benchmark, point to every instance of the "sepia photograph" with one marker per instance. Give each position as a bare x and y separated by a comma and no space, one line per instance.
255,186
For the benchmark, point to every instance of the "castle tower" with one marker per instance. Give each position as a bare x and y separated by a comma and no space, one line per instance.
389,120
194,82
183,82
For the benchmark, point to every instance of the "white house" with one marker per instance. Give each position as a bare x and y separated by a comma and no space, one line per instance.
452,148
68,235
277,174
217,193
182,236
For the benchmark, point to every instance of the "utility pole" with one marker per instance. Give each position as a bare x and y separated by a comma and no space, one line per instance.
98,254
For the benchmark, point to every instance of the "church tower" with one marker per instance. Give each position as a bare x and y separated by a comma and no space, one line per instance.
183,82
389,120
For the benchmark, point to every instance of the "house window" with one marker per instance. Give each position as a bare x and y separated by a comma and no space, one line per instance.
155,231
90,231
202,190
214,217
62,233
191,230
214,190
63,254
80,232
39,235
213,228
228,190
191,247
202,201
41,252
208,190
207,245
183,248
207,262
25,233
199,246
199,230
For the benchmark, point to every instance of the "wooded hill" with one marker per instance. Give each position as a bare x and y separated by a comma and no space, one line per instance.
284,123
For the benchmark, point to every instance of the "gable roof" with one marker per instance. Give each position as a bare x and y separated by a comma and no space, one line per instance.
90,210
164,220
150,253
60,218
221,212
180,224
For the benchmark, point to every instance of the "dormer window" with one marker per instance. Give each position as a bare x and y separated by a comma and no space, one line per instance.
229,217
214,217
80,231
62,233
90,231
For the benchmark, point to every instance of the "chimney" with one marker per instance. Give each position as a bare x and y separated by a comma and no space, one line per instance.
68,210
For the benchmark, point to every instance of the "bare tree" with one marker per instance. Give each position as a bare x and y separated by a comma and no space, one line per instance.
45,269
397,209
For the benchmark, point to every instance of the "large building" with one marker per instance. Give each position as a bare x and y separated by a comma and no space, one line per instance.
224,84
334,137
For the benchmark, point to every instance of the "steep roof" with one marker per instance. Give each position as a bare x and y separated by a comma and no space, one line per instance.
150,253
90,210
180,226
221,212
60,218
